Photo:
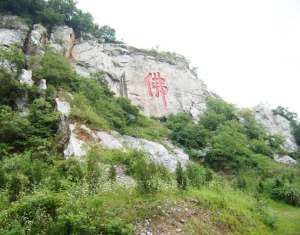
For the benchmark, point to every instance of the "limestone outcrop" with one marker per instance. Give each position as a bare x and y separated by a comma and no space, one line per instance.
13,31
37,40
62,39
276,125
287,160
158,86
78,146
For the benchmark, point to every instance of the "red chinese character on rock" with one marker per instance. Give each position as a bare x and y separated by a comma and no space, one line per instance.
157,85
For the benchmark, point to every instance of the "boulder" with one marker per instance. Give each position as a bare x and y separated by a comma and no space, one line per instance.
157,152
62,106
42,84
285,160
62,40
13,31
276,125
37,40
26,77
75,146
159,86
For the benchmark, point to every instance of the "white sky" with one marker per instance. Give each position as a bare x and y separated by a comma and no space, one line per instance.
247,51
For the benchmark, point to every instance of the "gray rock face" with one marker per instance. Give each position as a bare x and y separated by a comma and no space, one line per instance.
285,160
75,146
13,31
159,87
63,106
42,84
37,40
157,152
26,77
276,125
7,66
62,40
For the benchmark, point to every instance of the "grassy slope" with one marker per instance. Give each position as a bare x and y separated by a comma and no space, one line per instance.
288,218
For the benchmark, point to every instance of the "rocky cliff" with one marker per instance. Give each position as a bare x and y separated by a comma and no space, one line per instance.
276,125
159,84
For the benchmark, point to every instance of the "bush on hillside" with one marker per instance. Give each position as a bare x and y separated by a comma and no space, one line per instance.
55,69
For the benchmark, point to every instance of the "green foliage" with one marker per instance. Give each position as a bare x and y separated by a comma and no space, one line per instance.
229,146
112,173
185,132
18,132
296,132
93,172
57,12
293,118
14,128
218,112
10,89
13,55
197,175
284,112
145,173
288,193
106,33
55,69
95,105
180,177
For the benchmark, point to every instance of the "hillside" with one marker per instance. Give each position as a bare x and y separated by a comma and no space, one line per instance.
98,137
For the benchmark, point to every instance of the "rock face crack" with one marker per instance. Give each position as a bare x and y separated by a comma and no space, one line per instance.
123,86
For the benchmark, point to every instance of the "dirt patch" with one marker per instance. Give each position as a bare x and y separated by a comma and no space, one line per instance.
179,218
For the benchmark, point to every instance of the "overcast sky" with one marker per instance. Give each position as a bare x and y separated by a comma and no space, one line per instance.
247,51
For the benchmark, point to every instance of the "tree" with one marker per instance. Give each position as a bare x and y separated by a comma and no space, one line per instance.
185,131
218,112
106,33
82,22
229,146
67,8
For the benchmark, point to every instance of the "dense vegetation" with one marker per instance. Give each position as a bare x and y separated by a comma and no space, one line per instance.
231,186
230,141
58,12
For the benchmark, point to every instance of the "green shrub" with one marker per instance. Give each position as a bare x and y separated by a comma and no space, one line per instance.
93,170
82,111
95,105
13,55
43,118
34,214
180,177
185,132
112,174
217,113
57,12
106,33
290,193
197,175
55,69
14,128
229,146
70,169
16,185
145,174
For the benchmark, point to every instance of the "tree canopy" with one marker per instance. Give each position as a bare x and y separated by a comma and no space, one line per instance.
58,12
